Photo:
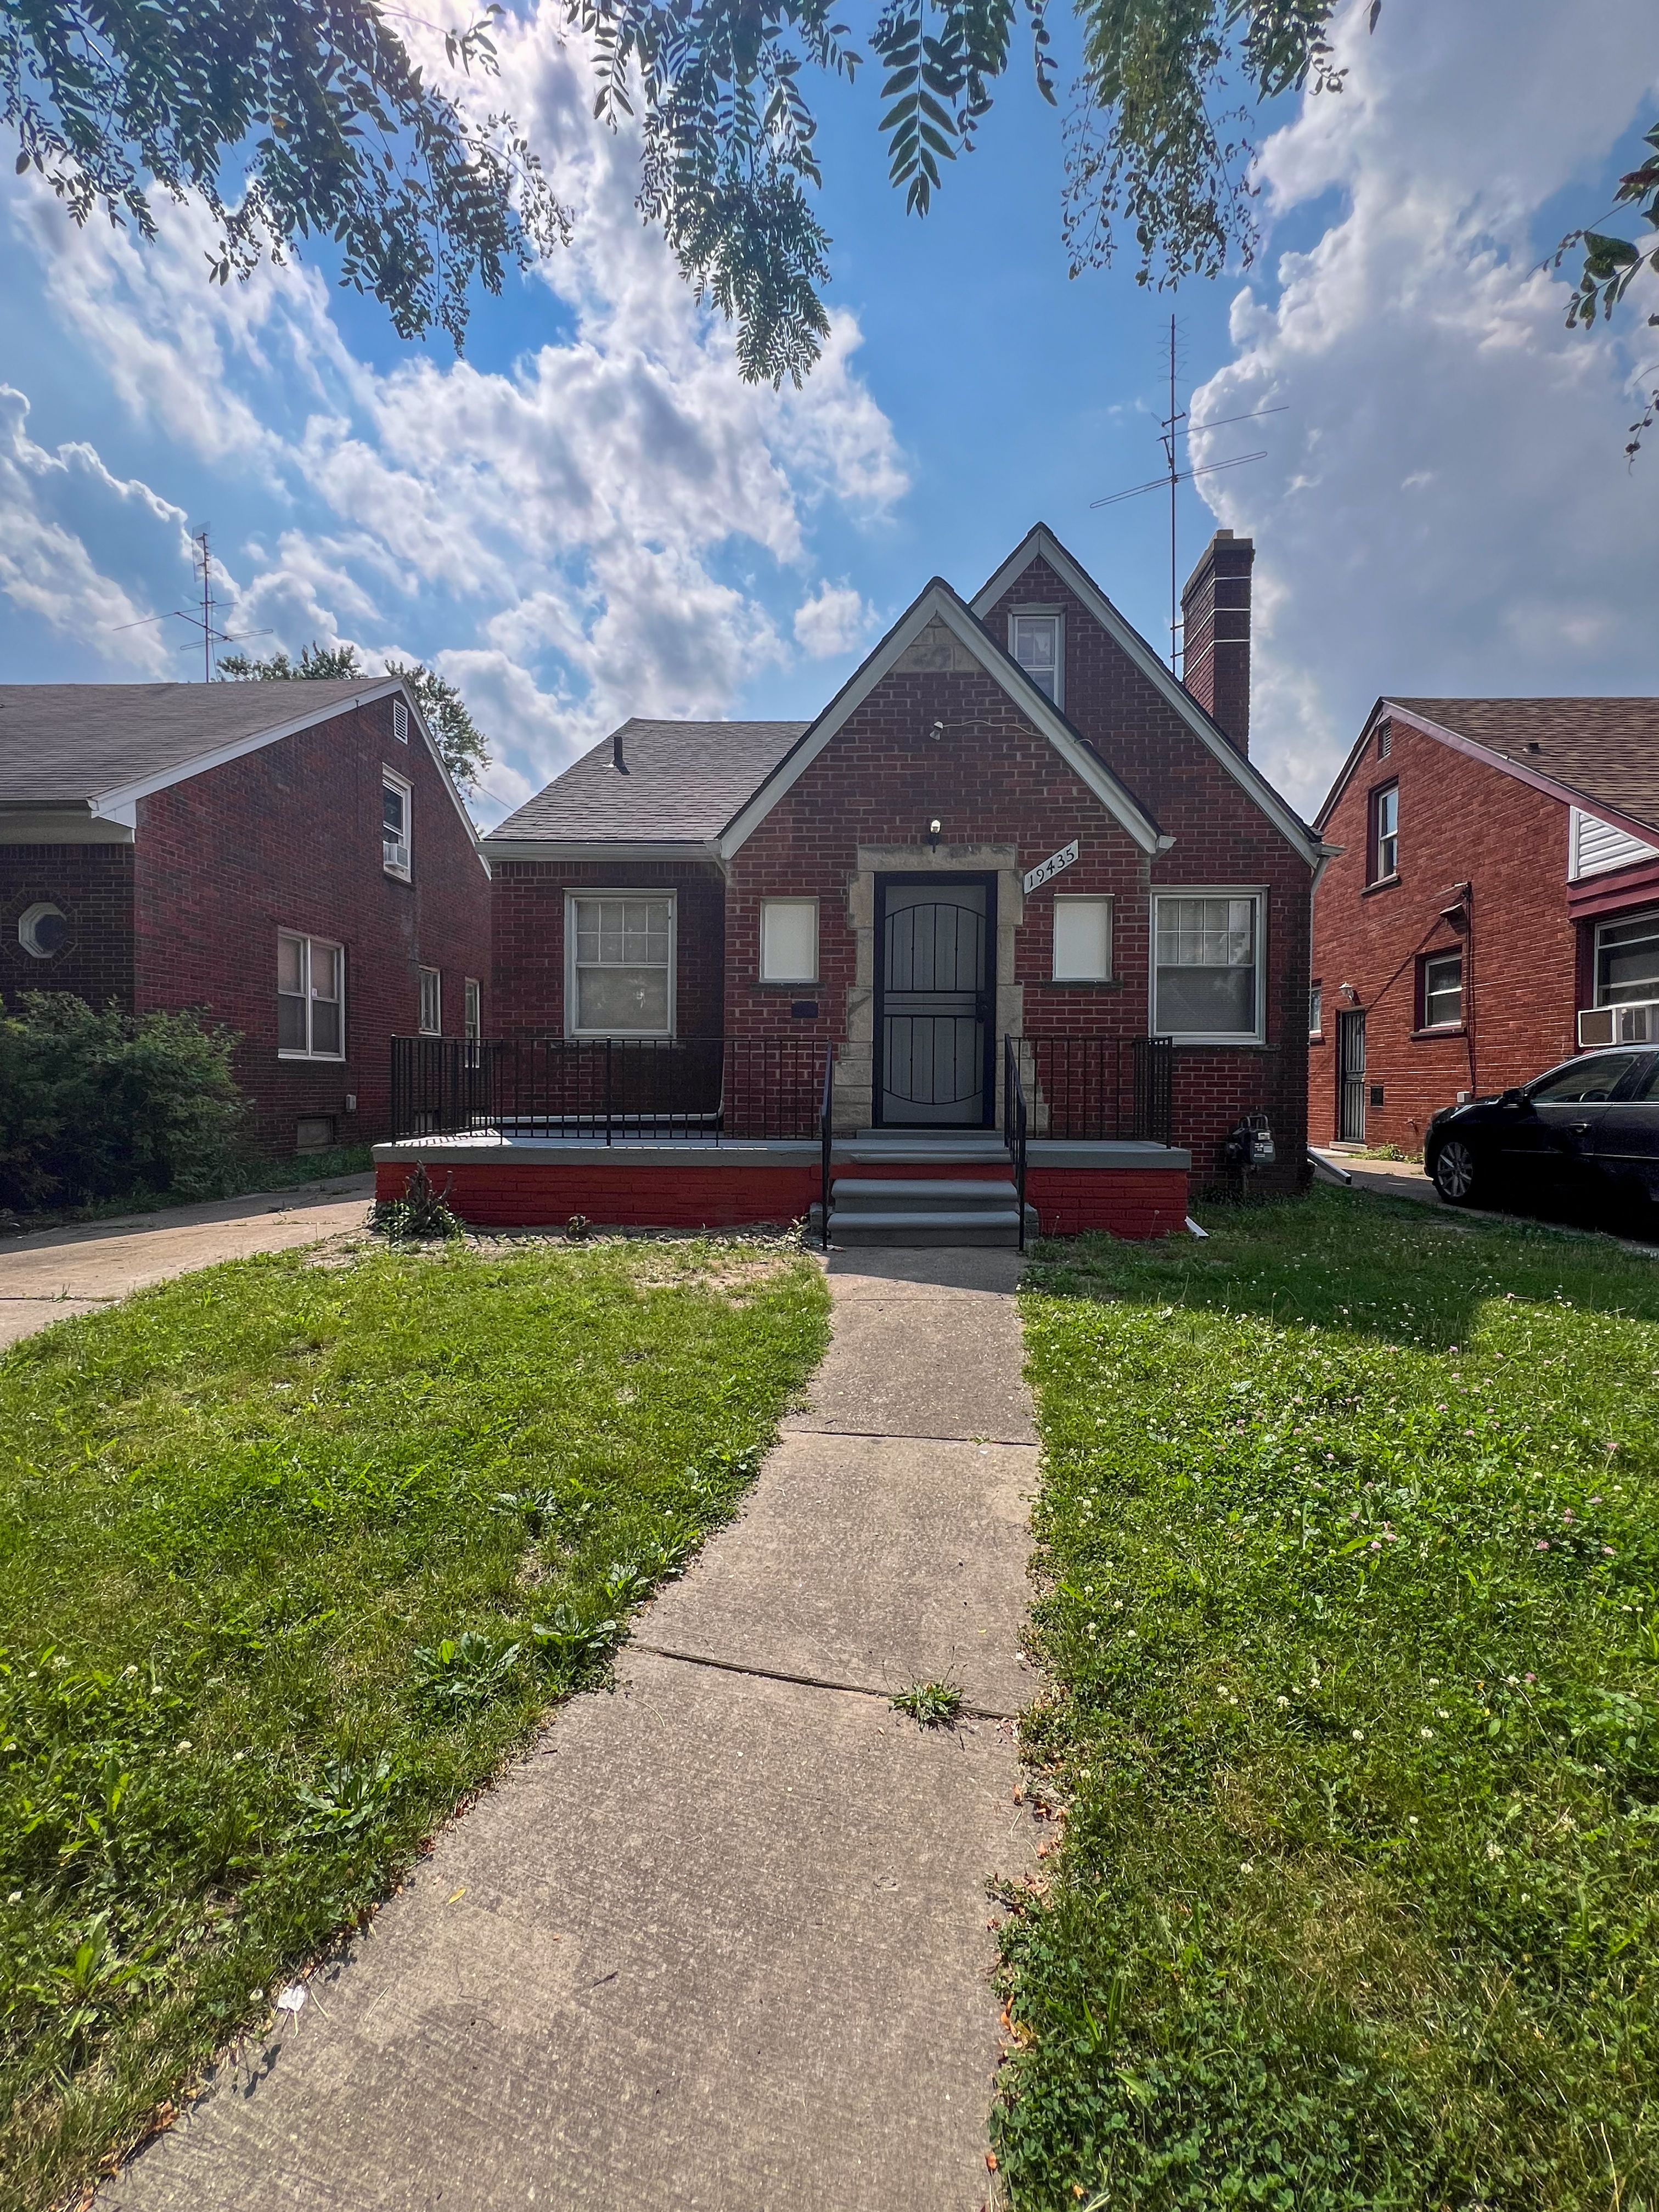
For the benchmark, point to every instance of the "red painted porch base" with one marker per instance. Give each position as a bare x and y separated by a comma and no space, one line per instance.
1135,1203
1129,1202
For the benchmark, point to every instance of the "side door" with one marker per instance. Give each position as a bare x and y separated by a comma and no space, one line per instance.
1351,1056
1546,1139
1628,1134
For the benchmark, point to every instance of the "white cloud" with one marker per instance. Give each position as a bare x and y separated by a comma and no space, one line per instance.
833,620
614,523
1446,507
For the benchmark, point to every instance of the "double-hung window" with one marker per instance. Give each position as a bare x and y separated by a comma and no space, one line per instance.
1385,834
1443,991
1035,640
620,964
474,1008
1207,979
1627,961
1315,1010
395,796
432,1002
310,997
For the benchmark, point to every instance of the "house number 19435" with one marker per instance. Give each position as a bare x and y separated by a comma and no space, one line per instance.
1048,870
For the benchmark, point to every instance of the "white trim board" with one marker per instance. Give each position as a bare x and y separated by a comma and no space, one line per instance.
939,602
1040,543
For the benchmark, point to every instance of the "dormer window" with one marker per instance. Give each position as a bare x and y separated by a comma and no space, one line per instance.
1035,641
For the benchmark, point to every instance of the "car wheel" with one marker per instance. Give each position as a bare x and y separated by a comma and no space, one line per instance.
1454,1172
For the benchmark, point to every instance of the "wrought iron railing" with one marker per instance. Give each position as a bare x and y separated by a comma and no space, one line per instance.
1099,1090
1014,1120
826,1143
692,1090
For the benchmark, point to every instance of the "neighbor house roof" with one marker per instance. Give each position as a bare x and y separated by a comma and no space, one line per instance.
1601,754
71,745
683,782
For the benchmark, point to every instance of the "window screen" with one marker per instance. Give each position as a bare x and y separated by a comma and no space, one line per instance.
1207,967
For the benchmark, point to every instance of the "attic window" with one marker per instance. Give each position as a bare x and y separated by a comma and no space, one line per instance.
1036,641
400,721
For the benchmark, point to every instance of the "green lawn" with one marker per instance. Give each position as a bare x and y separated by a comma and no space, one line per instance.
290,1558
1351,1542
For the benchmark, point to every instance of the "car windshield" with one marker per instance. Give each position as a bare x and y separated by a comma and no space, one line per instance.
1583,1081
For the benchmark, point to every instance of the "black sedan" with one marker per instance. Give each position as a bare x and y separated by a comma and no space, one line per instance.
1587,1131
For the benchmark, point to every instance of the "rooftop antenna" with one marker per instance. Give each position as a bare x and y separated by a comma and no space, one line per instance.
202,562
1168,430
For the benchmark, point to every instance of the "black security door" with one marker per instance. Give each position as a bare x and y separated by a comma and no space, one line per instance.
1351,1051
934,1057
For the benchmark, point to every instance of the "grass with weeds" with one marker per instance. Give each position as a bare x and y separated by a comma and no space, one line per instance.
293,1557
1351,1541
930,1704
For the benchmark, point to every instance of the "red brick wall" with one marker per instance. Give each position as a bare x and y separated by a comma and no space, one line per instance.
1459,822
1222,838
687,1195
529,939
1134,1203
93,886
288,837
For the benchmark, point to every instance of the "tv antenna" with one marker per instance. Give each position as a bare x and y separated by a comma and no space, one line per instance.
211,635
1169,429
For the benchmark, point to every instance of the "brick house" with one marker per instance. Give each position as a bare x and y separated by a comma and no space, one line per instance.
1495,904
1011,823
293,858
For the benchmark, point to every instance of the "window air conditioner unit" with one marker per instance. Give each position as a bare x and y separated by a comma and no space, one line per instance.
1637,1024
397,856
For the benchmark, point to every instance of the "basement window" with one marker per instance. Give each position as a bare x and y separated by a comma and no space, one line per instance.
310,997
1035,641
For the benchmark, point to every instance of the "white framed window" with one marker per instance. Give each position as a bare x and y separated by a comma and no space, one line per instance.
432,1002
1385,834
789,940
310,997
1315,1012
400,721
1083,939
43,930
1627,960
1037,642
1443,991
619,964
396,811
474,1007
1207,973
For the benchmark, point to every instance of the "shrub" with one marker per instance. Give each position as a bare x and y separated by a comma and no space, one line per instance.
99,1104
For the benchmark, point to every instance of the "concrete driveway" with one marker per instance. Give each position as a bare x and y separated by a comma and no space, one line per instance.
58,1272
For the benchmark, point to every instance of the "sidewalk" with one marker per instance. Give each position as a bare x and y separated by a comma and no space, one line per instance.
58,1272
721,1940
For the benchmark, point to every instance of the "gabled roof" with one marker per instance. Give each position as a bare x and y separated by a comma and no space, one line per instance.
72,745
939,602
684,782
100,748
1040,543
1601,755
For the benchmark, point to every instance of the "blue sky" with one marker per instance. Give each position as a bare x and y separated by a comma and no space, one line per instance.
592,516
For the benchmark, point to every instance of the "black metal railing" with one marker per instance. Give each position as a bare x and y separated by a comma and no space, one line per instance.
1100,1089
690,1090
1014,1123
826,1142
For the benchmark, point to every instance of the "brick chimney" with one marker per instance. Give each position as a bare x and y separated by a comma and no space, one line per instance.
1215,610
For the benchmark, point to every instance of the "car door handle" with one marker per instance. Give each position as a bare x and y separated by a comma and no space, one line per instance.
1577,1128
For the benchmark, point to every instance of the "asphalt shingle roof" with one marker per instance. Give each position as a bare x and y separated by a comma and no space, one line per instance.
64,744
684,783
1606,748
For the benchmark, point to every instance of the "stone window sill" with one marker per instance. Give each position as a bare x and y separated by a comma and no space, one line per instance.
1383,884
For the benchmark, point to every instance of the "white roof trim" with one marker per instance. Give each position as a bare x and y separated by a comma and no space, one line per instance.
939,602
1042,543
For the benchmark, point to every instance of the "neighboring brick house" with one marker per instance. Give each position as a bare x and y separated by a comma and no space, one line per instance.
1012,822
1495,899
292,858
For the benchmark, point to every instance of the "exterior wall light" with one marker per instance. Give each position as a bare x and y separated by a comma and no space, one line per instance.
933,833
937,733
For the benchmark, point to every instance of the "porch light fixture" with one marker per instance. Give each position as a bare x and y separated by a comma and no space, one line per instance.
1348,992
937,733
933,832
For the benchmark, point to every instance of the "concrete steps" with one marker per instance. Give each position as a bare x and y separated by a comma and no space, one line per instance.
939,1208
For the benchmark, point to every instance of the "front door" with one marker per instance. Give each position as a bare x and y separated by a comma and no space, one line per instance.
934,1046
1350,1050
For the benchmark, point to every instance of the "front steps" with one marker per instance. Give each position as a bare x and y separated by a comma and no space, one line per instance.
931,1205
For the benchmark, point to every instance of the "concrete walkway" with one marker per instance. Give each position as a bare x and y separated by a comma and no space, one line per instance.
58,1272
721,1940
